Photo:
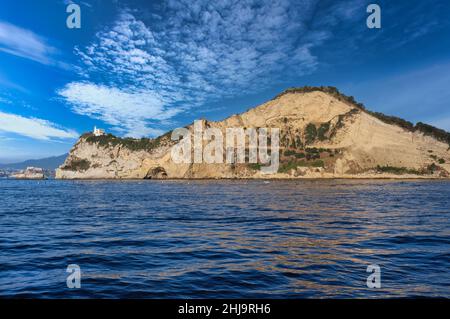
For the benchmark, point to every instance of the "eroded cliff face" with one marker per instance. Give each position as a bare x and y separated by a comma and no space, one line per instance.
322,135
92,159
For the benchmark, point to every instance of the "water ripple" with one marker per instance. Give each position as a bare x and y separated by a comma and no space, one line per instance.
224,239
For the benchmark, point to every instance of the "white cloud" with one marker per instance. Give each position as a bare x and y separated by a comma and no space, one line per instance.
195,53
27,44
33,127
128,111
200,52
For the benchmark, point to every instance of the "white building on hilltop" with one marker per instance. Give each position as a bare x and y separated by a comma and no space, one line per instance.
98,131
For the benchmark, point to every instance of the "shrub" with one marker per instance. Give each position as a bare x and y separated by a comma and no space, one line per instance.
77,164
284,140
318,163
285,168
298,141
437,133
431,168
393,120
312,153
293,143
323,129
426,129
109,140
341,119
254,166
311,133
441,161
289,153
397,170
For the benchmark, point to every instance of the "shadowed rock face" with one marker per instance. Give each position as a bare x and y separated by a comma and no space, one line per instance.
156,173
322,135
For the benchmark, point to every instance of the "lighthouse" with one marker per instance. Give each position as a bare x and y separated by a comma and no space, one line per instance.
98,131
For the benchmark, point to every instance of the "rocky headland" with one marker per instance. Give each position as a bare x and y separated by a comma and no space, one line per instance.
323,134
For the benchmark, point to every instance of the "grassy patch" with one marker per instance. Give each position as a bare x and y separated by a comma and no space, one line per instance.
78,165
289,153
255,166
109,140
426,129
285,168
317,163
322,130
397,170
294,153
311,133
431,168
435,132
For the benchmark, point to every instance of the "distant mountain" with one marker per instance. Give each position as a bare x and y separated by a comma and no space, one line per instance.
49,163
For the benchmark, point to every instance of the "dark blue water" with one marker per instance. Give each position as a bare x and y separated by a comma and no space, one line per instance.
192,239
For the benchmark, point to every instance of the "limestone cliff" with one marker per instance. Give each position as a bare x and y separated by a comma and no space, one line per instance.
324,134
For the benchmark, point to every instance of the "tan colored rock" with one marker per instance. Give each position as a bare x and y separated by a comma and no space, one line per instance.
356,143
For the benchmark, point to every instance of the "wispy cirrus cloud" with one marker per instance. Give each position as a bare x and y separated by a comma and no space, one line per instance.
192,53
26,44
129,111
33,127
187,53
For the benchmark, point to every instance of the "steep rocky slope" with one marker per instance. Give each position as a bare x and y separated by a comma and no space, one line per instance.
323,134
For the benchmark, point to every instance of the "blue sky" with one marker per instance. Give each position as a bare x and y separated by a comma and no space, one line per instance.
140,68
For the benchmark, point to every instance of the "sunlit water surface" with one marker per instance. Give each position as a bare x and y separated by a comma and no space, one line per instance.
207,239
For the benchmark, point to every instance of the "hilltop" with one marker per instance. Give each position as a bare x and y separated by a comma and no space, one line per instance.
323,134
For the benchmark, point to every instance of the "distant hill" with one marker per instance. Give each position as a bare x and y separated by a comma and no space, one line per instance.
49,163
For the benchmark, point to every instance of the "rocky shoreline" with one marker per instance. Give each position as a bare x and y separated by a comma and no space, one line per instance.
31,173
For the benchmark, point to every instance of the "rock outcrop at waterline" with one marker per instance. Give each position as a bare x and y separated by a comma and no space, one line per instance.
323,134
29,173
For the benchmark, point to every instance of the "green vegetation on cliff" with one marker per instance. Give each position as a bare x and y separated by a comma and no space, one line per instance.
311,133
286,167
109,140
430,169
437,133
77,164
397,170
426,129
322,130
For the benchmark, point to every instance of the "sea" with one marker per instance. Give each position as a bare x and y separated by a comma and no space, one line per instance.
224,239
